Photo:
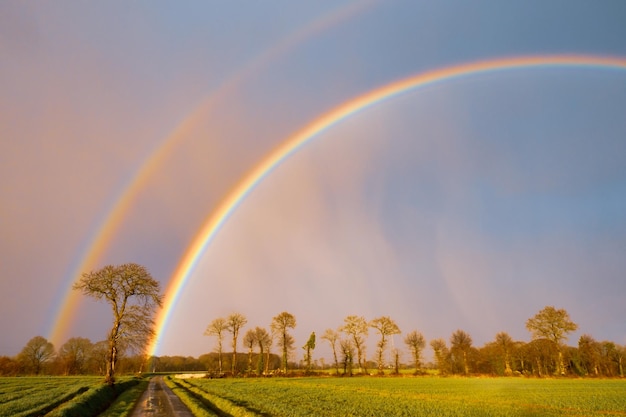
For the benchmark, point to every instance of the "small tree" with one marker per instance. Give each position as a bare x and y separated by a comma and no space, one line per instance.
234,323
416,343
217,328
347,355
36,353
332,337
386,327
133,296
264,340
554,325
308,347
280,325
249,340
442,355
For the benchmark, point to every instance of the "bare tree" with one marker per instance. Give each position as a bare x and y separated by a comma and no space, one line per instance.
554,325
386,327
332,337
134,296
280,325
217,328
36,353
234,323
356,328
347,355
416,343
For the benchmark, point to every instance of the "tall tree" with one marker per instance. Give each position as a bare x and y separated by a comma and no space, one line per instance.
217,328
461,343
74,355
280,325
386,327
133,296
36,353
234,323
308,347
416,343
332,337
554,325
356,328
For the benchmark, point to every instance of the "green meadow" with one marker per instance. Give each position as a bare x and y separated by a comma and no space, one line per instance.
419,396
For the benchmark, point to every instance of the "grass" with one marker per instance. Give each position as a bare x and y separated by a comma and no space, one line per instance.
82,396
424,396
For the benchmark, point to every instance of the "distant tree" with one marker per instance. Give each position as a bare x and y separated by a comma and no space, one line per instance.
395,352
308,347
133,296
280,325
217,328
234,323
461,344
416,343
356,328
554,325
442,355
97,362
386,327
332,337
74,355
264,340
505,344
249,341
347,355
543,356
37,352
9,366
590,353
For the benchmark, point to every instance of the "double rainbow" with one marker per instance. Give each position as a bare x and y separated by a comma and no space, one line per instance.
292,144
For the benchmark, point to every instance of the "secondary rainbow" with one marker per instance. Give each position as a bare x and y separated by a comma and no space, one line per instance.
101,237
247,183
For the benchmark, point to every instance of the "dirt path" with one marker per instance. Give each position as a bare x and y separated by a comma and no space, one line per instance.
159,401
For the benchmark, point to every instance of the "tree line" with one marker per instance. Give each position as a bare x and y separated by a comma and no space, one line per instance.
134,296
546,354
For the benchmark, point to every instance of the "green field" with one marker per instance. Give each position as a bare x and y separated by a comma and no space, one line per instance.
425,396
57,396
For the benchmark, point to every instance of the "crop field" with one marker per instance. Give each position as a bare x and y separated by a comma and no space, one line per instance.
30,396
58,396
364,396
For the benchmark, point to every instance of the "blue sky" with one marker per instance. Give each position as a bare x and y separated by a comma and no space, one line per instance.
469,204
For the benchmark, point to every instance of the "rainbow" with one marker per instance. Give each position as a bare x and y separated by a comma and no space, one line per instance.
100,238
296,141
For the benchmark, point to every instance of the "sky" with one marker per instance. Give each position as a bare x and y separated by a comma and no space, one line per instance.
468,204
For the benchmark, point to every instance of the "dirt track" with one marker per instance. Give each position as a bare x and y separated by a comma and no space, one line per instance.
159,401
